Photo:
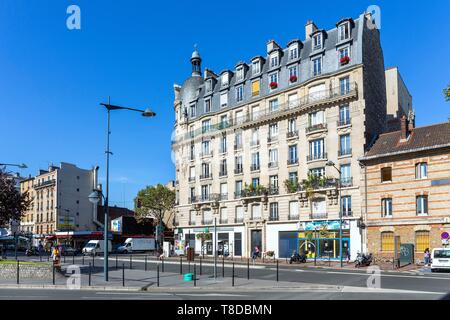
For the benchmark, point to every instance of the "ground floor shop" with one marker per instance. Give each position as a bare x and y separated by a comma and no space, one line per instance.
381,238
318,239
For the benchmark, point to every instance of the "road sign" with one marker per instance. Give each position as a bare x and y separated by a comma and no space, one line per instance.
444,235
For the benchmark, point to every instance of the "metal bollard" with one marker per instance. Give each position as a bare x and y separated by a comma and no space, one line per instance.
195,275
131,262
123,274
53,275
90,273
277,271
73,258
223,266
40,256
157,275
181,265
82,260
232,276
200,266
116,263
18,271
64,259
145,263
248,269
48,257
162,264
93,260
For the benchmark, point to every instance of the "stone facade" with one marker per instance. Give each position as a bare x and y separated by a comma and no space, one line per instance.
208,181
26,271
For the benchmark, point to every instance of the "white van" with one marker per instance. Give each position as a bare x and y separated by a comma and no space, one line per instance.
440,259
95,247
137,244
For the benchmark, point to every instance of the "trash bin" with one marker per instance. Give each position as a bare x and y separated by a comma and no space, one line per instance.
190,254
188,277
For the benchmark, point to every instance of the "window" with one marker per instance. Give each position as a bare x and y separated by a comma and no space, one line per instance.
205,148
255,137
316,149
293,177
344,115
273,183
293,154
238,188
422,205
273,105
192,152
293,74
346,175
207,105
223,215
346,206
223,99
387,241
317,65
386,208
239,117
318,172
293,210
205,170
255,88
345,147
192,214
292,125
344,31
316,118
256,67
273,158
223,121
239,214
293,52
421,170
239,93
192,110
274,211
206,125
223,191
256,211
386,174
274,60
208,85
344,85
223,144
205,192
255,112
255,161
273,131
292,100
317,41
238,140
255,182
344,56
240,73
224,79
223,167
422,240
273,79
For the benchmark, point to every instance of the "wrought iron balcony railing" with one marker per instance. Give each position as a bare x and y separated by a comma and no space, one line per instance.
317,156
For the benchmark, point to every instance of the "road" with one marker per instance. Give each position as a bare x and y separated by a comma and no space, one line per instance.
425,284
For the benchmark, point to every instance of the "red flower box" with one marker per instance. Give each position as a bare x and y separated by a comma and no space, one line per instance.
345,60
273,85
293,78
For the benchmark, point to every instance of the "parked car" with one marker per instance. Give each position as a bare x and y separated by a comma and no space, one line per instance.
94,247
440,259
68,251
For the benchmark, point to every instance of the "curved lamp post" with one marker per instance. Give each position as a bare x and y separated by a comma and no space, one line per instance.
332,164
95,195
20,166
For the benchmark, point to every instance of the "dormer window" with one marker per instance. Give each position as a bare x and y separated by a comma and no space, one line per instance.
344,31
317,41
293,52
274,60
209,85
256,67
240,73
224,79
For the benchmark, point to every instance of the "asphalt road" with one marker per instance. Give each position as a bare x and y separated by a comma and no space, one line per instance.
425,282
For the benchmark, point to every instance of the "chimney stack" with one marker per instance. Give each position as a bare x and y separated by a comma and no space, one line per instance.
271,44
404,129
310,27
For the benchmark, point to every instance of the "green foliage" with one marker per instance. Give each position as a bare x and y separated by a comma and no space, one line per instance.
13,204
291,186
157,200
447,93
204,236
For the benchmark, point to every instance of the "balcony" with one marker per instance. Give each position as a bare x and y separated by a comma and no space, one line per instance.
206,176
273,165
254,143
191,179
316,157
238,194
239,219
44,184
272,139
344,122
205,154
238,170
292,134
223,196
346,182
223,173
317,215
207,221
326,97
293,217
274,217
347,214
191,157
345,152
316,127
292,162
192,200
274,191
255,167
223,150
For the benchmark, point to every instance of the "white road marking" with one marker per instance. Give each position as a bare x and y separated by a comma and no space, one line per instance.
388,275
211,295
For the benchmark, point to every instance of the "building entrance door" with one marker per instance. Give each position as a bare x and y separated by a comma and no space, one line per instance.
256,240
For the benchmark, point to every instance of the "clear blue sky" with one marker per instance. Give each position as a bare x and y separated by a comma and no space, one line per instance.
52,79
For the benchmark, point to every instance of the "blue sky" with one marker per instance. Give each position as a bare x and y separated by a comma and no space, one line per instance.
52,79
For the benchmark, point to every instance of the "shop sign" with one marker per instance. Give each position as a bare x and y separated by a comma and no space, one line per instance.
115,226
65,222
321,225
179,247
201,230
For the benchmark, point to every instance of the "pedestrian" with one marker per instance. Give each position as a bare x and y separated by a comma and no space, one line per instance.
255,254
427,257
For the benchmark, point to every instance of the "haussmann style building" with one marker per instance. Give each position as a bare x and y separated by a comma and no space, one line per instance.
246,140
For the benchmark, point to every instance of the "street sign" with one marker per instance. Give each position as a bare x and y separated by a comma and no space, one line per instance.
444,235
445,242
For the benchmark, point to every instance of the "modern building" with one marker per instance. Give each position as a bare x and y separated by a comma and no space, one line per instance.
60,201
398,99
408,188
246,140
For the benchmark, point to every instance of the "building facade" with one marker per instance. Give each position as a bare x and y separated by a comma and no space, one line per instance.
408,188
398,99
60,200
246,140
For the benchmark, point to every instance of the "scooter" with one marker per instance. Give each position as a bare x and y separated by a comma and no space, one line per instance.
301,258
363,260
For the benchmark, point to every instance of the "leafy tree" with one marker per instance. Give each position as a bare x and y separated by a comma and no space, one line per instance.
447,93
12,204
158,201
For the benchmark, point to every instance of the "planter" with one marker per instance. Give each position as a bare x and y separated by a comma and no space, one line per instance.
293,79
345,60
273,85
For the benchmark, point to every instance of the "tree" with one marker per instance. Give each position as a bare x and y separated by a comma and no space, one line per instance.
447,93
158,201
12,204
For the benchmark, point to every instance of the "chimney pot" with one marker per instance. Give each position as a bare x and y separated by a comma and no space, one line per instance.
403,128
310,27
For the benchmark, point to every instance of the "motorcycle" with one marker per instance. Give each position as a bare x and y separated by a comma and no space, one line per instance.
363,260
300,258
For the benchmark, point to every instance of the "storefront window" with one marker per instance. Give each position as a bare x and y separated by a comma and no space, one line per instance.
323,242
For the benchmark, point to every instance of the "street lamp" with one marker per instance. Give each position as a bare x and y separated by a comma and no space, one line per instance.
21,166
145,113
332,164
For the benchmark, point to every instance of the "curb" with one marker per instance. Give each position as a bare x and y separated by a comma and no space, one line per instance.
60,287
